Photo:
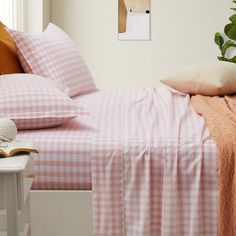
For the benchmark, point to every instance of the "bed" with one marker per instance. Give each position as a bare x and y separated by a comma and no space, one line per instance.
143,160
156,128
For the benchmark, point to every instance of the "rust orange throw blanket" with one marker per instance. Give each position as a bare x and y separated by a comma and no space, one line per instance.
220,116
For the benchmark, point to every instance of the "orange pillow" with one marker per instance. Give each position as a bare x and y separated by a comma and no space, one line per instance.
9,62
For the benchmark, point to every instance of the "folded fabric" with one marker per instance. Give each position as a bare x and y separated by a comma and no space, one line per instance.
9,62
53,55
34,102
210,79
219,114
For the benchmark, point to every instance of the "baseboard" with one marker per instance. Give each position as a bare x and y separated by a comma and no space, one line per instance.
60,213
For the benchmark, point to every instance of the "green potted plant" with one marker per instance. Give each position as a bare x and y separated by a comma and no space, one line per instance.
228,39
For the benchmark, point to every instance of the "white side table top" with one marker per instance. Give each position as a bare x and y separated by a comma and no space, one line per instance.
14,164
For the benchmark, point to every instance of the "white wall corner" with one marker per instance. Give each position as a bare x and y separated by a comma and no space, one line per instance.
37,15
46,13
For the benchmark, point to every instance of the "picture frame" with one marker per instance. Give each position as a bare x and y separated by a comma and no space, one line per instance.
134,20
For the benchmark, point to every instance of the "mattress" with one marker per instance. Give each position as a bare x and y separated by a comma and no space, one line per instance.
64,159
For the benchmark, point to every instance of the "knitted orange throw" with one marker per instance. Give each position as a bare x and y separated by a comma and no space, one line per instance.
220,117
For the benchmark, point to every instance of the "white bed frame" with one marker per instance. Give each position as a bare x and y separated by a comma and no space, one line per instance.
60,213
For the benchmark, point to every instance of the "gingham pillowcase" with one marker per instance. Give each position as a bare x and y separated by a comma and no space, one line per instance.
34,102
53,55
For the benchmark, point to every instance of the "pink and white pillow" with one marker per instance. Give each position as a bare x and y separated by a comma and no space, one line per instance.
34,102
53,55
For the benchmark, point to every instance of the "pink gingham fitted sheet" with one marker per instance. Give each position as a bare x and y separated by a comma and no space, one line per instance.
64,159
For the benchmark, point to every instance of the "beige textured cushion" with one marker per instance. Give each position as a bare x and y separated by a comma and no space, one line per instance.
209,78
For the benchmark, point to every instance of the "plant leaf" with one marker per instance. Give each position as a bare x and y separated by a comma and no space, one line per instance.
222,58
230,31
226,46
233,18
233,59
219,40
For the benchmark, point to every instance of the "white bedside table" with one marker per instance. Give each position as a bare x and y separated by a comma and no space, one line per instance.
14,196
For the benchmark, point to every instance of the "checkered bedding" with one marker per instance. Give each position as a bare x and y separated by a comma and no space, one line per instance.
148,156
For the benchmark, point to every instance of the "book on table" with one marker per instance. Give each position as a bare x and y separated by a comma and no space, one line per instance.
12,147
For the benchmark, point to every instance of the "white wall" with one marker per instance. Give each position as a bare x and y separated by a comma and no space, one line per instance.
46,12
182,33
37,15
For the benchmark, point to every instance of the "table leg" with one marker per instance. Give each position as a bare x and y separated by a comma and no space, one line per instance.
2,193
11,203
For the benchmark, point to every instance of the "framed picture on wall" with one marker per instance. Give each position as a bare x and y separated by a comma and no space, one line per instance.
134,20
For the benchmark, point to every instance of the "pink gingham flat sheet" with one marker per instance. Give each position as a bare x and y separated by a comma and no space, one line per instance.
147,155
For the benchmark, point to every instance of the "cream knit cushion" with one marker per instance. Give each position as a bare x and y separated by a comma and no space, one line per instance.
8,129
53,55
210,79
